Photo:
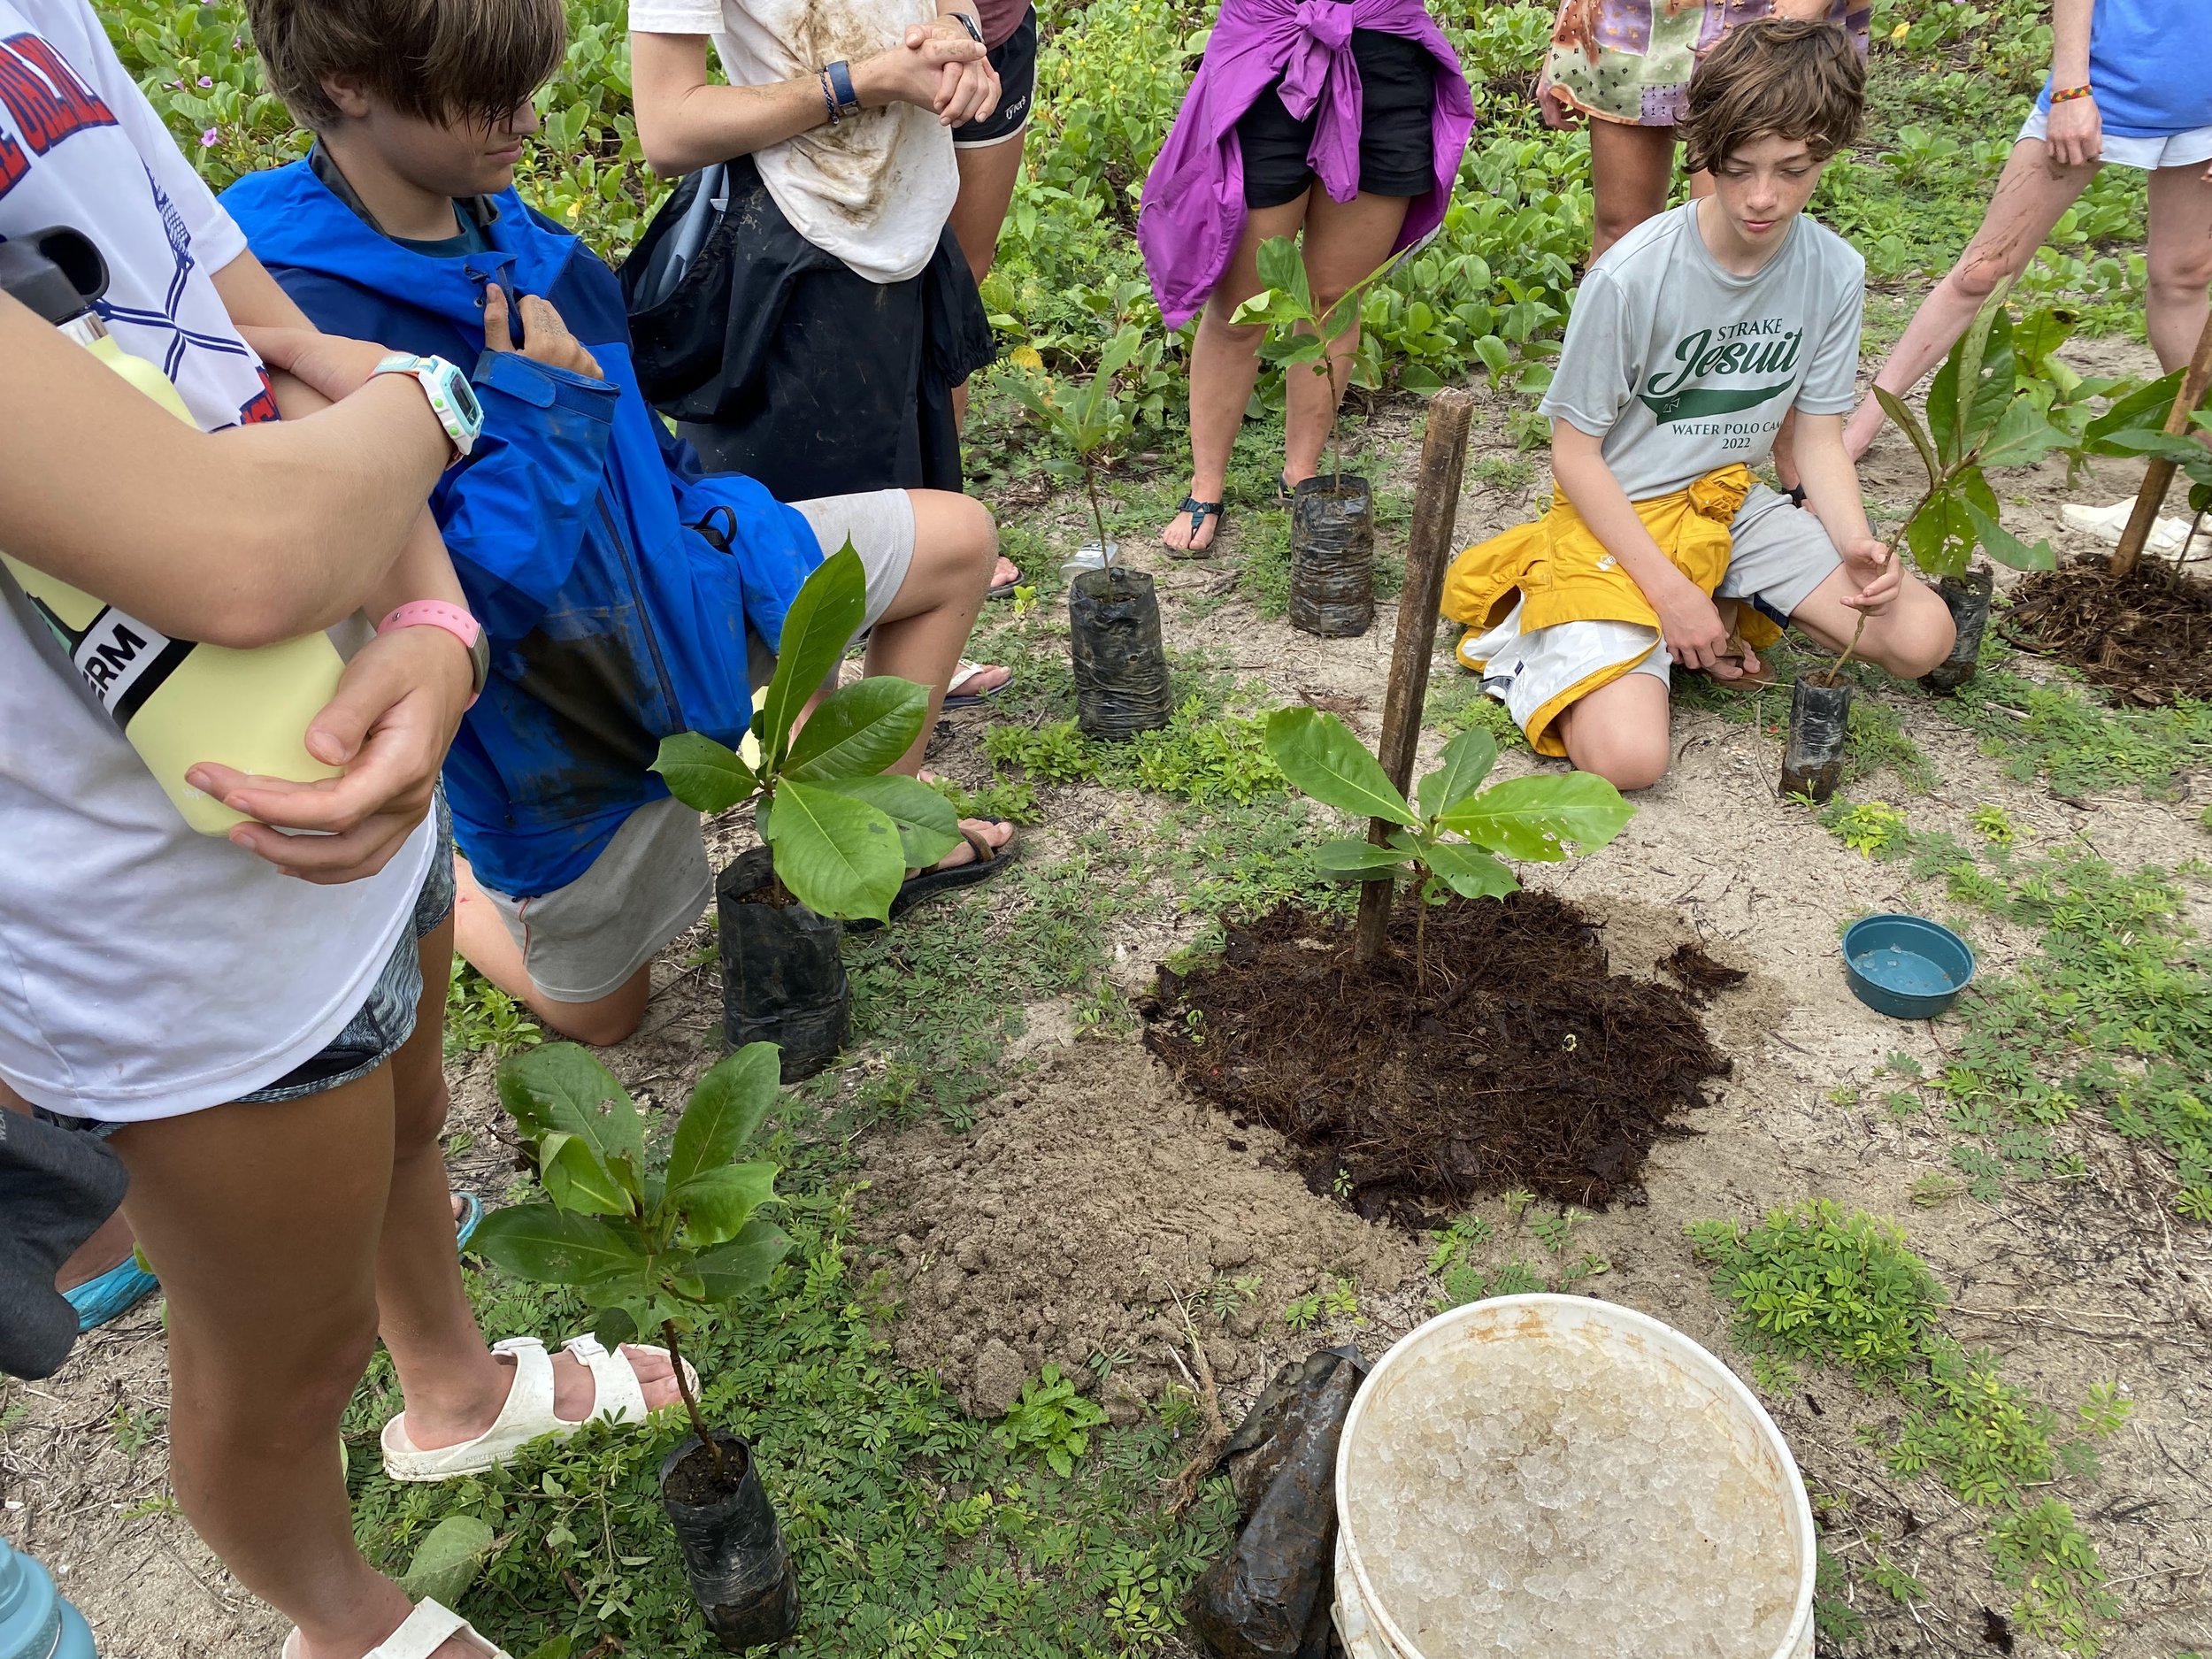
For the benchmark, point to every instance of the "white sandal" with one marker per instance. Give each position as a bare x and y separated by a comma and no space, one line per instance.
528,1413
425,1630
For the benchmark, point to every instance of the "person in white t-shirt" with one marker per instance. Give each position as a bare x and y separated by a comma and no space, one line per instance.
253,1022
838,314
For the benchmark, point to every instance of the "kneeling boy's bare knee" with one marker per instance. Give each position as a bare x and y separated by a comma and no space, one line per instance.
1627,760
1920,637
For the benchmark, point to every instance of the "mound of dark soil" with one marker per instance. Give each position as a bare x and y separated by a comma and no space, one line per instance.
2146,634
1524,1062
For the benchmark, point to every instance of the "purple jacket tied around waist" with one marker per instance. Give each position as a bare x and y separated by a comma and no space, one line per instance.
1194,212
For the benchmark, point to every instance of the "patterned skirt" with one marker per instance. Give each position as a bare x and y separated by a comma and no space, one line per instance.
1630,60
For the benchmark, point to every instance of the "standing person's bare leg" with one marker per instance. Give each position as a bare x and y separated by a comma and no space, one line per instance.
988,177
1225,362
2030,194
263,1222
2180,262
1344,242
1631,170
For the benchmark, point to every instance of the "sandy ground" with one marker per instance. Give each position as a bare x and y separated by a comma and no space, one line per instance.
2072,1283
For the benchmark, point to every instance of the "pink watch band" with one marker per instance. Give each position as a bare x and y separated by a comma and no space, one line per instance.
435,613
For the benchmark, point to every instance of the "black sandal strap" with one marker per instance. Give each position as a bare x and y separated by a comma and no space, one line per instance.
1200,512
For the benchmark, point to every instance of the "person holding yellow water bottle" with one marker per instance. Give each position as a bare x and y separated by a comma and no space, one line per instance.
251,1019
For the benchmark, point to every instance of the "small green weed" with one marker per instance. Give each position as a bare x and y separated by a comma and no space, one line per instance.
1197,757
479,1015
134,1429
1050,1420
1870,828
2081,744
1994,826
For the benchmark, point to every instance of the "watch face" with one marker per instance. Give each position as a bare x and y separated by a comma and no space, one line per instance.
463,397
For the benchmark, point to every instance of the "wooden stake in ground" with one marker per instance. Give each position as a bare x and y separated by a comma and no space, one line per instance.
2159,475
1428,552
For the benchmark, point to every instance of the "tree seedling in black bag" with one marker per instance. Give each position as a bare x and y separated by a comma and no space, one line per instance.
654,1244
1115,644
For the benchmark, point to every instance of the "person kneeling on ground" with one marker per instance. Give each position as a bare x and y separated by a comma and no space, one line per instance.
1691,339
619,589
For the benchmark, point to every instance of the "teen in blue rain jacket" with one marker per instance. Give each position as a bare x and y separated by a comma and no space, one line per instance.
613,581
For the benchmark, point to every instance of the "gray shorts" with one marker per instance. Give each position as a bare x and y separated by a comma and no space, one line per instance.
583,941
1780,552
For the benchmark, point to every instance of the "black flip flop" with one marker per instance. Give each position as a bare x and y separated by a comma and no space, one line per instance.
1200,512
988,861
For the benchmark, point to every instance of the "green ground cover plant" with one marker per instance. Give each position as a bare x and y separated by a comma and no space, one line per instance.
1815,1283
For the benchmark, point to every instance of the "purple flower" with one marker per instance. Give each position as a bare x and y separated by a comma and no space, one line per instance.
207,139
205,81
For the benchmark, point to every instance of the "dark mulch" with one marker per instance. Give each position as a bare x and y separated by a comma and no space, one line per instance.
1523,1062
2146,634
1689,966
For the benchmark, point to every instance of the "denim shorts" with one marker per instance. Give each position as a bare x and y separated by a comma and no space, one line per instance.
386,1020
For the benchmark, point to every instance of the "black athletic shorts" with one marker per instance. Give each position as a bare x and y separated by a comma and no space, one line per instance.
1016,60
1397,148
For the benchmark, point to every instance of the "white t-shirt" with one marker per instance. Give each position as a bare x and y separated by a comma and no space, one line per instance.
876,189
146,971
1682,366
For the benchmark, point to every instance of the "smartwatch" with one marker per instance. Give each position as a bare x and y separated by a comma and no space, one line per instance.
435,613
974,28
452,399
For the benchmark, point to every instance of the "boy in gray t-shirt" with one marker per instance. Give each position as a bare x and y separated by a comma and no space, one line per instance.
1691,341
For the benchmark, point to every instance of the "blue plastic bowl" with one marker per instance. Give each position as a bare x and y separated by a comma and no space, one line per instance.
1906,966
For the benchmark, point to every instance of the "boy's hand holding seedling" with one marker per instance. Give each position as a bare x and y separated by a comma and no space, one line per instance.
1881,572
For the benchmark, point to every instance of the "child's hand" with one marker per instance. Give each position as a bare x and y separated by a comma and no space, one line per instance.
1880,573
545,337
1691,626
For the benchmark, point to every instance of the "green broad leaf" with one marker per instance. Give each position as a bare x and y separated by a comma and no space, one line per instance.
827,612
1120,351
1943,409
561,1085
704,774
928,826
1471,872
1536,817
576,1181
1466,761
2039,336
1283,269
858,730
1348,860
2165,445
550,1247
841,857
1940,535
1908,423
725,1112
717,1204
2145,406
447,1560
744,1265
559,1646
1322,758
2008,549
1266,309
2022,437
1494,354
615,1326
1989,379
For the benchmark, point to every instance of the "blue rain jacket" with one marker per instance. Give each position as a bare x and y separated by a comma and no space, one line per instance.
614,618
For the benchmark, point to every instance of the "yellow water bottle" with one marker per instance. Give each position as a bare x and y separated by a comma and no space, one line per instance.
177,701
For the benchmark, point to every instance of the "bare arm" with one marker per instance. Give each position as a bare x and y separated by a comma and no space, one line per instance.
1831,490
1688,621
685,121
422,571
2075,129
239,538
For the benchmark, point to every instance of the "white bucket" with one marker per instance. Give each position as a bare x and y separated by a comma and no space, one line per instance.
1651,1360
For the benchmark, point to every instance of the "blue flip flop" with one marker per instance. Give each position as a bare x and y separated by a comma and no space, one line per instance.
113,1294
471,1213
